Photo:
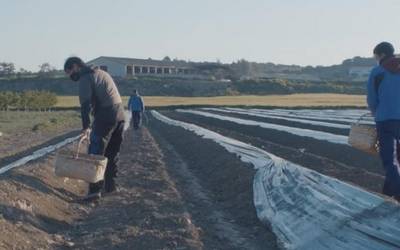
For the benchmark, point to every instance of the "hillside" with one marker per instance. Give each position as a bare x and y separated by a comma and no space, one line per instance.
192,87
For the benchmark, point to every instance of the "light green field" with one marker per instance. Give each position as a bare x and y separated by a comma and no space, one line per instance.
296,100
25,122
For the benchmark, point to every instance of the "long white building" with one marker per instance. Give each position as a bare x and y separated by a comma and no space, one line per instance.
128,67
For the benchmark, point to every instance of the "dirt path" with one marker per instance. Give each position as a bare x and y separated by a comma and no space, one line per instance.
217,187
38,209
164,203
170,196
147,212
176,191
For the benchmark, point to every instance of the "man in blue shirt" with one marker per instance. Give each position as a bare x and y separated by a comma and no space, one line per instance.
384,102
136,106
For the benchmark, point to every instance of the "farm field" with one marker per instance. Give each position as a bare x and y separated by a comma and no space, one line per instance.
22,131
295,100
215,178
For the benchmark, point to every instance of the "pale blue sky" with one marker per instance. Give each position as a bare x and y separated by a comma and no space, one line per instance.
305,32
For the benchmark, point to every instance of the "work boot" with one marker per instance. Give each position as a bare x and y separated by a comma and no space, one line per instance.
94,192
95,187
91,197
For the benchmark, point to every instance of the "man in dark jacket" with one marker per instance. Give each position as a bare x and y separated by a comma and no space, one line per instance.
99,94
384,103
136,106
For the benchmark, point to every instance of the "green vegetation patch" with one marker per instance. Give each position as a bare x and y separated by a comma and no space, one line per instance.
20,121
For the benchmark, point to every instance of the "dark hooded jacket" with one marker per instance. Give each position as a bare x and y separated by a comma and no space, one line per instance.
391,64
99,93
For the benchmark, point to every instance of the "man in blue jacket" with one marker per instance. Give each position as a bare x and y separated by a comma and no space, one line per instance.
384,102
136,106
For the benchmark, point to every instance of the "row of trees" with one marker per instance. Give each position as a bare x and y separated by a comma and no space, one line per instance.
9,69
27,100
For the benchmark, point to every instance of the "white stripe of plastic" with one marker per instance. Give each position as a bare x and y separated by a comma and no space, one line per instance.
309,122
37,154
349,119
318,135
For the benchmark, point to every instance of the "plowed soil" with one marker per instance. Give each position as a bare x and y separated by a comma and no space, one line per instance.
171,196
176,190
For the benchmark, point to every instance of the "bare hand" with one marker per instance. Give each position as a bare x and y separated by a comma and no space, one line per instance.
85,133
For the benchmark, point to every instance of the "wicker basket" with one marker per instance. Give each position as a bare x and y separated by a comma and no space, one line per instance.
75,165
364,137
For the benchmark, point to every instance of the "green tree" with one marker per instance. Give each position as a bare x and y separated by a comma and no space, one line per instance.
46,70
7,69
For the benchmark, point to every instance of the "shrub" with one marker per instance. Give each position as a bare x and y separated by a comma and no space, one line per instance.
27,100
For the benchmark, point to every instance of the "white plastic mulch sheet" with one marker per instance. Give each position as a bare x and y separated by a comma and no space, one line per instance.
128,117
319,135
37,154
307,210
349,113
329,112
332,116
49,149
304,121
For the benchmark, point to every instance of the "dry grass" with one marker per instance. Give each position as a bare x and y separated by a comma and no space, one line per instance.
296,100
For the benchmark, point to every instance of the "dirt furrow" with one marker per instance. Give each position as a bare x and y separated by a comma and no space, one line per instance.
39,210
146,213
338,161
218,188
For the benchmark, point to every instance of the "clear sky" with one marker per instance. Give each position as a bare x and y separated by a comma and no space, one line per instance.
305,32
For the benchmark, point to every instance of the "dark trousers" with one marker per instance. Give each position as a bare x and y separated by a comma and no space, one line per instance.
136,117
389,136
106,139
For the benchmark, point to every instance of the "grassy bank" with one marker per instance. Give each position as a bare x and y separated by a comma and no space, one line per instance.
22,131
25,122
295,100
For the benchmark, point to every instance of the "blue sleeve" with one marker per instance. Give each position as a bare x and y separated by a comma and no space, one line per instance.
372,95
85,114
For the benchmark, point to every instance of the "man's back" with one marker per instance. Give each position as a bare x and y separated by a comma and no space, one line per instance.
384,92
98,90
106,91
136,103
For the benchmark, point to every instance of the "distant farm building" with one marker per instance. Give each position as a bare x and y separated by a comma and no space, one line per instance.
128,67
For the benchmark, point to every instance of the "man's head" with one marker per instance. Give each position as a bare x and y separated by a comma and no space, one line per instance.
383,50
73,67
135,92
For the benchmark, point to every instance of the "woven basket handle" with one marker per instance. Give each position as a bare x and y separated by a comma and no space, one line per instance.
79,146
